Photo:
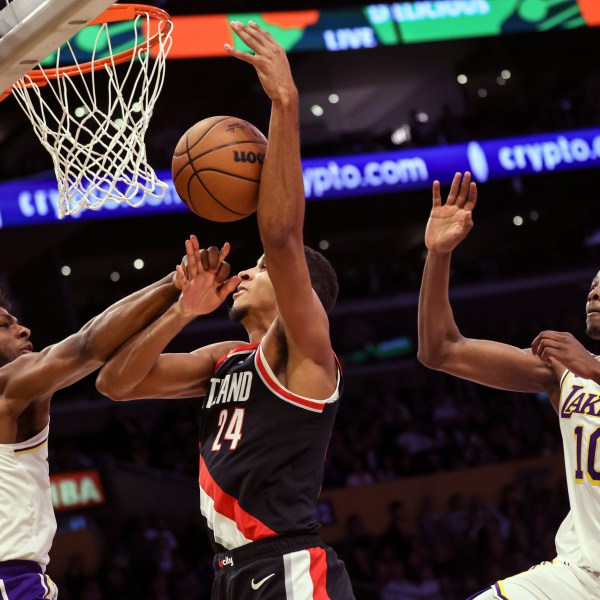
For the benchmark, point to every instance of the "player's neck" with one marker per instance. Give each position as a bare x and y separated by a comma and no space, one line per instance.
256,330
255,336
256,327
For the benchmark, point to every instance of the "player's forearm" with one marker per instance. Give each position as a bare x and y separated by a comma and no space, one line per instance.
110,329
281,196
594,373
436,325
135,359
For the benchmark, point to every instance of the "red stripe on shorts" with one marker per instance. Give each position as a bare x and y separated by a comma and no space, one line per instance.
318,573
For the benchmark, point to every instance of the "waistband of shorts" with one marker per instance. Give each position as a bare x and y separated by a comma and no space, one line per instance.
280,544
19,567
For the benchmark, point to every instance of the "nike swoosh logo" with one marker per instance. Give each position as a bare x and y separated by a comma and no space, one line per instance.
258,584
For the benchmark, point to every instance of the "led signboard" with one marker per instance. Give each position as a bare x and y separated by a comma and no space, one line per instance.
77,490
35,201
198,36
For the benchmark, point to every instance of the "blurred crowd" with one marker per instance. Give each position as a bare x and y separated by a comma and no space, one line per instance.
417,422
381,434
418,425
396,421
446,553
450,552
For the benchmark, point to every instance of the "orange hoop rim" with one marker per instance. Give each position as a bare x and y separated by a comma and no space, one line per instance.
113,14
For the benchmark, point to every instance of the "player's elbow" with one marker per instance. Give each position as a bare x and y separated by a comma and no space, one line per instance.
427,359
433,357
277,231
107,385
283,244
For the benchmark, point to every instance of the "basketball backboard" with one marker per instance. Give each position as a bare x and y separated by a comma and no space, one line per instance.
30,30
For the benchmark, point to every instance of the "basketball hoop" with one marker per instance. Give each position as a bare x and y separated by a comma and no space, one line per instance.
92,117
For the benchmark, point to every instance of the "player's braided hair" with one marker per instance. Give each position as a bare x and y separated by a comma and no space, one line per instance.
322,277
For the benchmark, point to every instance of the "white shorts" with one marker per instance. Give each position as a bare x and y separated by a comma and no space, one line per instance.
556,580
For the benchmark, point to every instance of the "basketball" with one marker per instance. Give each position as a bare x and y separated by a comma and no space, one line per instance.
216,168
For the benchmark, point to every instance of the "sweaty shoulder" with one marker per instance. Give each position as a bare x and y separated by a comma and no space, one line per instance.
298,371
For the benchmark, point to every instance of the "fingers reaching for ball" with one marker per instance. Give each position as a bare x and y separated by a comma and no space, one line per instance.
207,282
193,257
254,36
269,60
224,268
222,273
211,259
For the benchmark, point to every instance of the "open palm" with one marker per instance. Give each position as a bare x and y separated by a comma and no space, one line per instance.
450,223
206,285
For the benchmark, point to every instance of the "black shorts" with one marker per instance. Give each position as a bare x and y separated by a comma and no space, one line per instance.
281,568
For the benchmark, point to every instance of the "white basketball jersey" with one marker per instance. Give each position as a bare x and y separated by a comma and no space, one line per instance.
578,538
27,519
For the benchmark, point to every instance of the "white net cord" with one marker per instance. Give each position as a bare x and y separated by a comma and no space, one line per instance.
93,125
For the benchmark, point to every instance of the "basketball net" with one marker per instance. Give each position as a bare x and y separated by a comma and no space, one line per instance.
92,117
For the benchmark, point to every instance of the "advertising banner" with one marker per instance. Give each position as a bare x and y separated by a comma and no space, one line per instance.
200,36
35,201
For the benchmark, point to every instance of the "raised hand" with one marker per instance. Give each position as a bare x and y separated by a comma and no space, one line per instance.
184,266
450,223
269,59
205,285
562,347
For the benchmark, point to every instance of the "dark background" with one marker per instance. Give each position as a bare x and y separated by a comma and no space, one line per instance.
508,283
369,238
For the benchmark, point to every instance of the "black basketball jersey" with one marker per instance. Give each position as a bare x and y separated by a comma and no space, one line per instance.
262,452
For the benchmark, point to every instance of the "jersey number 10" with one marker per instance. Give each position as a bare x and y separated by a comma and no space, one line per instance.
592,472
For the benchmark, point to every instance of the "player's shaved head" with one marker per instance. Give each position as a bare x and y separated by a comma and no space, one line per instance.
4,301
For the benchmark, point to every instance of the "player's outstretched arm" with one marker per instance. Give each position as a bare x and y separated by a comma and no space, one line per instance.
281,200
441,345
38,375
448,225
140,370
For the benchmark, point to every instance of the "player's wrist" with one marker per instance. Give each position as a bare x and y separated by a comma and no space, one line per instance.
286,97
594,371
182,314
439,253
173,286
